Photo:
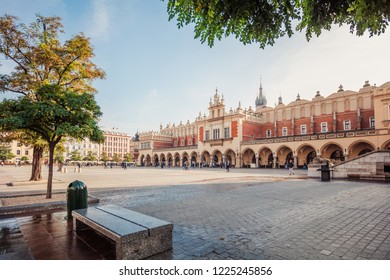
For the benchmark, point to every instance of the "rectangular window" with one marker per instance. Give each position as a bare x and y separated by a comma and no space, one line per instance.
268,133
388,112
26,153
303,129
372,122
182,142
207,135
347,125
324,127
18,152
284,131
216,133
227,132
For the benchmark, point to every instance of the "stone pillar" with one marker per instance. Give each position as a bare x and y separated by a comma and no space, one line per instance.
295,161
257,161
274,161
238,160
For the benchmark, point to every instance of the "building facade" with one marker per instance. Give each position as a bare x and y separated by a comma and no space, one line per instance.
116,145
23,153
338,127
84,148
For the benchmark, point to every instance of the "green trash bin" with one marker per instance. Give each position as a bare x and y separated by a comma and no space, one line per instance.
76,197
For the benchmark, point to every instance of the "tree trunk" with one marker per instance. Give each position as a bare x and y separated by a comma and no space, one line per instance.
36,172
51,167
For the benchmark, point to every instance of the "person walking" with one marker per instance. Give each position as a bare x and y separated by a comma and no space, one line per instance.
227,166
291,167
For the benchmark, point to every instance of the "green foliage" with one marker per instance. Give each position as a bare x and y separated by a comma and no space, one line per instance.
5,152
59,158
264,21
40,58
91,156
54,113
75,156
104,157
116,158
24,158
128,157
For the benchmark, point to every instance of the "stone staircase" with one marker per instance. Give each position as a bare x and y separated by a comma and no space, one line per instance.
373,166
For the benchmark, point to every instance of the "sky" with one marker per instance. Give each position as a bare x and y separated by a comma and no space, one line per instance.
159,74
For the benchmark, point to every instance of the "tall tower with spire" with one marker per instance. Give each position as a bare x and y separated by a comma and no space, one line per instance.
261,100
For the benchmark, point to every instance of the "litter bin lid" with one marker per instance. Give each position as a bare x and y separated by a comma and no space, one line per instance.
77,185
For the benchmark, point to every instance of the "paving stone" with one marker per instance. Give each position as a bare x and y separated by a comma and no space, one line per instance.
261,219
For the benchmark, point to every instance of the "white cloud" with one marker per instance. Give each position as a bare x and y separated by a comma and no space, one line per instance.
99,24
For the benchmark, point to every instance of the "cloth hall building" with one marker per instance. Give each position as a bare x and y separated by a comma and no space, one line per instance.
341,126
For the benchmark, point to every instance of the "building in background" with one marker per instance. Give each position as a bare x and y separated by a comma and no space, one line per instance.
23,153
116,145
81,150
338,127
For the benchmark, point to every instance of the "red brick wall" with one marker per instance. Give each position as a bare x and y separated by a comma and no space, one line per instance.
366,115
234,129
201,133
320,119
261,131
341,117
280,126
249,129
161,145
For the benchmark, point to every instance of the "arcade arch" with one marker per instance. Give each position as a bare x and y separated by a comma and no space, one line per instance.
216,158
248,158
386,145
305,154
176,159
205,158
283,155
230,156
169,159
194,158
359,148
156,161
162,159
332,151
146,160
266,157
185,158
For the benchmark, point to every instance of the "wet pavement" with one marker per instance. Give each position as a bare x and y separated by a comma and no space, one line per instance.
49,236
244,217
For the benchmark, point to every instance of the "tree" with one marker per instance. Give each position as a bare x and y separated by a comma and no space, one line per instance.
75,156
104,157
54,113
264,21
91,156
41,59
59,152
116,158
128,157
5,152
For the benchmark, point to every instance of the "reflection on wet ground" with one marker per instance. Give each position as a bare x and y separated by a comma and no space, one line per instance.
49,236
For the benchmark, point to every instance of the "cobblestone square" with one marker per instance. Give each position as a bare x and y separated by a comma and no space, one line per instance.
252,214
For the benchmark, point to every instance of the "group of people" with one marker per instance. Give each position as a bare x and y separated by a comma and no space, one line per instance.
186,165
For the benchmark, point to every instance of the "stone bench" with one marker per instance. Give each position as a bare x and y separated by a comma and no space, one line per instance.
136,236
